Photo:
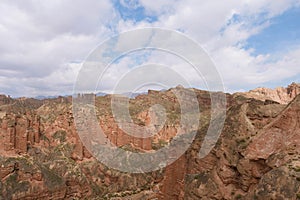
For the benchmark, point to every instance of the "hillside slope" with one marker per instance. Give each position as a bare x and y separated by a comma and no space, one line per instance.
257,155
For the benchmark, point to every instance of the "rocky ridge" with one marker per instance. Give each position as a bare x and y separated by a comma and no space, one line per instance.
280,94
256,156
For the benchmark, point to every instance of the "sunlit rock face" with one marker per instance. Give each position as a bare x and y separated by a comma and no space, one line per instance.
256,156
281,95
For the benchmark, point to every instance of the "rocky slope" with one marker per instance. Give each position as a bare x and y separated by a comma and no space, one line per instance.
256,157
281,95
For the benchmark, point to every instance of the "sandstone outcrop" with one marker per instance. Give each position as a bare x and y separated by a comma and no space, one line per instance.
281,95
257,155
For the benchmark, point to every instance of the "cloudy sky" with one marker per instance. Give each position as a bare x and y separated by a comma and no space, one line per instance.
43,43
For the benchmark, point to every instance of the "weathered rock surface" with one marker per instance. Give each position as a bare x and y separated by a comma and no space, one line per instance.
256,157
281,95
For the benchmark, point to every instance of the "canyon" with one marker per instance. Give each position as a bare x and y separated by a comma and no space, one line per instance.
257,155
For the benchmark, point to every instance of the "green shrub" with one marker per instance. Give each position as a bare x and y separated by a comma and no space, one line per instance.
60,135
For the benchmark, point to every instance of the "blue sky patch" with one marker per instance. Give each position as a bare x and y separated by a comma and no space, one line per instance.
282,35
132,10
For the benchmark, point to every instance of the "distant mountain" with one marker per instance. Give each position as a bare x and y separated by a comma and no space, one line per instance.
126,94
101,94
45,97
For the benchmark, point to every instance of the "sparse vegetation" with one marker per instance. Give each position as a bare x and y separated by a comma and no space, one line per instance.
52,180
297,169
60,135
159,145
59,162
239,196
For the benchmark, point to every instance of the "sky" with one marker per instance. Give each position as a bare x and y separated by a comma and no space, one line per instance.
253,43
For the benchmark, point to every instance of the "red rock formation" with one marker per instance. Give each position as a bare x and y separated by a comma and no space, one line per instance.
280,94
174,179
280,134
20,131
256,157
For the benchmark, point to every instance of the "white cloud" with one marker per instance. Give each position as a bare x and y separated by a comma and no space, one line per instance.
159,7
38,39
223,28
131,4
41,40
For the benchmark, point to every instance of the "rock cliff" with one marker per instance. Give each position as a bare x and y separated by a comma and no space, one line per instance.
256,156
281,95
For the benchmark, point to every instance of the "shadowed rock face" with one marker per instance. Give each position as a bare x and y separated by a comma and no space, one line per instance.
256,157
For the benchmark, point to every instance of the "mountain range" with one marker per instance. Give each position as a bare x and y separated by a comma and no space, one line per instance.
257,155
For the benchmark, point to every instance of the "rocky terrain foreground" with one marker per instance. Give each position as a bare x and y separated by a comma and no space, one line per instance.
257,155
